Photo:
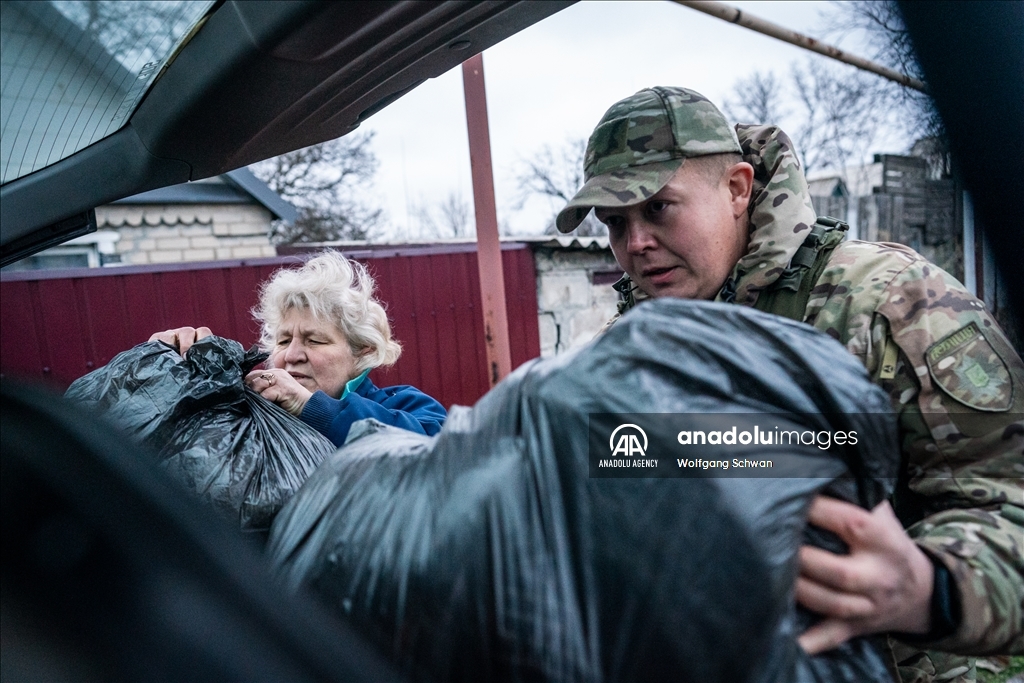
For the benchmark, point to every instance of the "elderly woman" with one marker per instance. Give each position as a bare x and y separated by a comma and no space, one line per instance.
325,332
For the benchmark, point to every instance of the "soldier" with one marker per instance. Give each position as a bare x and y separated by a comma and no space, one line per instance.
698,209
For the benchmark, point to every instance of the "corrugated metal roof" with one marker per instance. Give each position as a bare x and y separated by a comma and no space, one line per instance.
191,193
451,245
595,243
234,187
244,179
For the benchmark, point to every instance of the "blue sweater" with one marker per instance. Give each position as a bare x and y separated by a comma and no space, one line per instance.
402,406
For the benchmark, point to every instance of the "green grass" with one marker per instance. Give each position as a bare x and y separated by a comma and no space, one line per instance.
1016,668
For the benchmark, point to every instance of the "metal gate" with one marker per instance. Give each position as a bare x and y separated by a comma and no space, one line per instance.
56,326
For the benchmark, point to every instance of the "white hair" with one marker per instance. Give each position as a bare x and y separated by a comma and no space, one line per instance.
336,291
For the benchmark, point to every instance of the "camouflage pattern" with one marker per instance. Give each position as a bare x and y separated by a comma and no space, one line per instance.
915,666
962,443
958,387
956,384
640,143
781,213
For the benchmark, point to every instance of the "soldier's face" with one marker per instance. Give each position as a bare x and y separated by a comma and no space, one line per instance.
685,240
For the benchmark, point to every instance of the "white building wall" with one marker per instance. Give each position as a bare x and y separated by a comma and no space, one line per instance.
572,309
159,233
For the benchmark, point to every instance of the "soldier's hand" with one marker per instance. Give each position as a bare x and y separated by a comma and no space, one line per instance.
182,338
884,584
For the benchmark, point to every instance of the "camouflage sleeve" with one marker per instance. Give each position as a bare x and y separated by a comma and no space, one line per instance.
959,388
781,212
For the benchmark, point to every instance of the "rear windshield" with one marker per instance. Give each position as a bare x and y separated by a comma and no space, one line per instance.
73,71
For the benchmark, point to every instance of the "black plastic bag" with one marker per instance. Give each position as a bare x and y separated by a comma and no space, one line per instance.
223,441
489,552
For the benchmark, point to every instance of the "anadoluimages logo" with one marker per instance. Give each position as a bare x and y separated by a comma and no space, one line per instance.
628,443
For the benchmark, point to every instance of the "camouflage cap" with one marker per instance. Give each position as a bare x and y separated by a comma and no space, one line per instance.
640,143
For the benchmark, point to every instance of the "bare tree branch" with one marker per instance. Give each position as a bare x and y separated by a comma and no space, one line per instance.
455,214
756,99
841,111
556,174
882,25
133,31
450,218
325,182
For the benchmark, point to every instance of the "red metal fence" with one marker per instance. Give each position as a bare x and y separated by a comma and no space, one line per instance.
56,326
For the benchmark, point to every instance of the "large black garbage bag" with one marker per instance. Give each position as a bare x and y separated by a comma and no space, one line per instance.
223,441
496,550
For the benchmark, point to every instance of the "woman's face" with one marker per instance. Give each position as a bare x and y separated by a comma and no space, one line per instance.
315,353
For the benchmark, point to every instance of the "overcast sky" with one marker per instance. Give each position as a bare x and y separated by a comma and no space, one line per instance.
554,80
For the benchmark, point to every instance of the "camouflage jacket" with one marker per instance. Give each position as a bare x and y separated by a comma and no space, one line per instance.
954,380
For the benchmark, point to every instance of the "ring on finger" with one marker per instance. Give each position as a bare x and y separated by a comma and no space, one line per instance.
268,377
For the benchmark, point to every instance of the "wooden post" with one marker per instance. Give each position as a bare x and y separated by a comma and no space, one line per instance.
492,280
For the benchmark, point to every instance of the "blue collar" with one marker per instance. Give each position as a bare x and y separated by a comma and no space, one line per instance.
353,384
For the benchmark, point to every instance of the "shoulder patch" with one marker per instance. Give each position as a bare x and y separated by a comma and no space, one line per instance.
967,368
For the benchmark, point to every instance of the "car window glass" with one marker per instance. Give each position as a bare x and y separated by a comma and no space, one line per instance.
73,72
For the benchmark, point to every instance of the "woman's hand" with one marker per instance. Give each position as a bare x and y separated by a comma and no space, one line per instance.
884,584
278,386
182,338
